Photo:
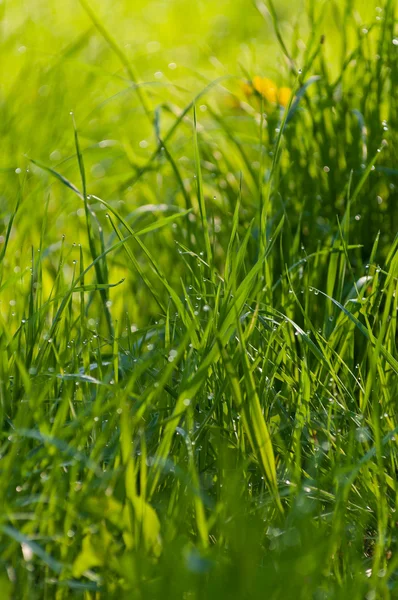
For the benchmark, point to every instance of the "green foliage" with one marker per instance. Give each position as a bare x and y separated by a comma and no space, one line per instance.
198,312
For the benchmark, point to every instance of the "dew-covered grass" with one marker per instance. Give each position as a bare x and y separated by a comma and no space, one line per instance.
198,309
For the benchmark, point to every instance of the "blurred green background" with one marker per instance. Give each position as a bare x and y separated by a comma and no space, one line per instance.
54,60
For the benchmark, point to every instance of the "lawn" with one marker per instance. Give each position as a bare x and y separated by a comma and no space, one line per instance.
199,300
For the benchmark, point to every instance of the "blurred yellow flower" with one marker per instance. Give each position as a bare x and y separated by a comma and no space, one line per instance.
284,94
266,88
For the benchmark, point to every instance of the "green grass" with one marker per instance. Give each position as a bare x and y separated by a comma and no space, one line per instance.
198,311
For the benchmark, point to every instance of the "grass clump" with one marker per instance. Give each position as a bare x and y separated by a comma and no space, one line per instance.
198,278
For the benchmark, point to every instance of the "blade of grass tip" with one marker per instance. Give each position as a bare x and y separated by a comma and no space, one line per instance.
121,55
367,171
374,249
9,228
95,287
44,224
57,175
201,199
186,196
392,251
99,265
159,223
148,228
239,257
347,262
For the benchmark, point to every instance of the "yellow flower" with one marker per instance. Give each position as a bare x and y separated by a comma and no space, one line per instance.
266,88
284,94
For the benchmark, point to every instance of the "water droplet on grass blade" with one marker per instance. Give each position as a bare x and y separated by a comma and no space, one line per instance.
27,551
